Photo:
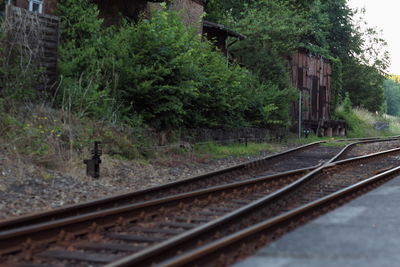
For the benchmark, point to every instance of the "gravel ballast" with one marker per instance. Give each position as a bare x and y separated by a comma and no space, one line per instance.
26,188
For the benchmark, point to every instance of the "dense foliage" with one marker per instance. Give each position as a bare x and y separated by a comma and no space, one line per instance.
159,72
276,28
392,94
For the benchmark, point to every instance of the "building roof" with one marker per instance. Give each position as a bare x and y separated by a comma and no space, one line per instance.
223,28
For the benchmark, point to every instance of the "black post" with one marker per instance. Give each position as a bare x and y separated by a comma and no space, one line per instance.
93,164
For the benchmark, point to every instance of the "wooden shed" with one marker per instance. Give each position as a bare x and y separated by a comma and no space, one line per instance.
219,34
312,75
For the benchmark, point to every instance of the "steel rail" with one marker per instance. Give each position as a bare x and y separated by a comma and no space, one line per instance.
12,240
145,195
146,256
121,199
361,141
46,231
367,138
202,254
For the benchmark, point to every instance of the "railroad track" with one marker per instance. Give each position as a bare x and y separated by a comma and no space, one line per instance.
234,247
301,157
148,225
204,246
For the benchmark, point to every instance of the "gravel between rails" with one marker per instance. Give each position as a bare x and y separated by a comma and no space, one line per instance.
29,189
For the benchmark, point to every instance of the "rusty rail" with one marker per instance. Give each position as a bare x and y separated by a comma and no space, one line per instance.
14,239
138,196
11,240
210,253
154,254
158,191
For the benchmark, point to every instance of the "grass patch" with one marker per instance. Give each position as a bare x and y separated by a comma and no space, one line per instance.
394,124
336,144
218,151
361,123
312,138
49,137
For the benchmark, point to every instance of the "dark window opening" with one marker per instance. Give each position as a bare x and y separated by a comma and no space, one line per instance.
322,101
300,74
314,98
35,7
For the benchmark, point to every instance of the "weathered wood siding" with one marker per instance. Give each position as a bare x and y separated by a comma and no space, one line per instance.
312,74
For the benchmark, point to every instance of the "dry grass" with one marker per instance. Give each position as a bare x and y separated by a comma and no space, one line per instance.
394,124
362,123
368,117
51,139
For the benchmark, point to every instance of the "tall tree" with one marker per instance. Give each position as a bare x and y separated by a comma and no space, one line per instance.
220,10
342,38
365,69
275,28
392,94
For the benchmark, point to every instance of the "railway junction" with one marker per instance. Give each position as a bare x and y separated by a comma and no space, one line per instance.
275,208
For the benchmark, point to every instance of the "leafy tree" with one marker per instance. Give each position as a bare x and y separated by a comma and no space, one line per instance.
85,85
364,73
160,71
395,78
342,38
365,86
273,33
392,94
173,79
81,34
157,70
222,10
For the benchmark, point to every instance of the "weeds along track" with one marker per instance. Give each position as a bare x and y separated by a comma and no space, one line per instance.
146,232
302,157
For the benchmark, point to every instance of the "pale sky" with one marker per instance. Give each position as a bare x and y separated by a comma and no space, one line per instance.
385,15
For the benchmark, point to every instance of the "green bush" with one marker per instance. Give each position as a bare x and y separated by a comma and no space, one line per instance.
173,79
157,71
84,87
356,125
